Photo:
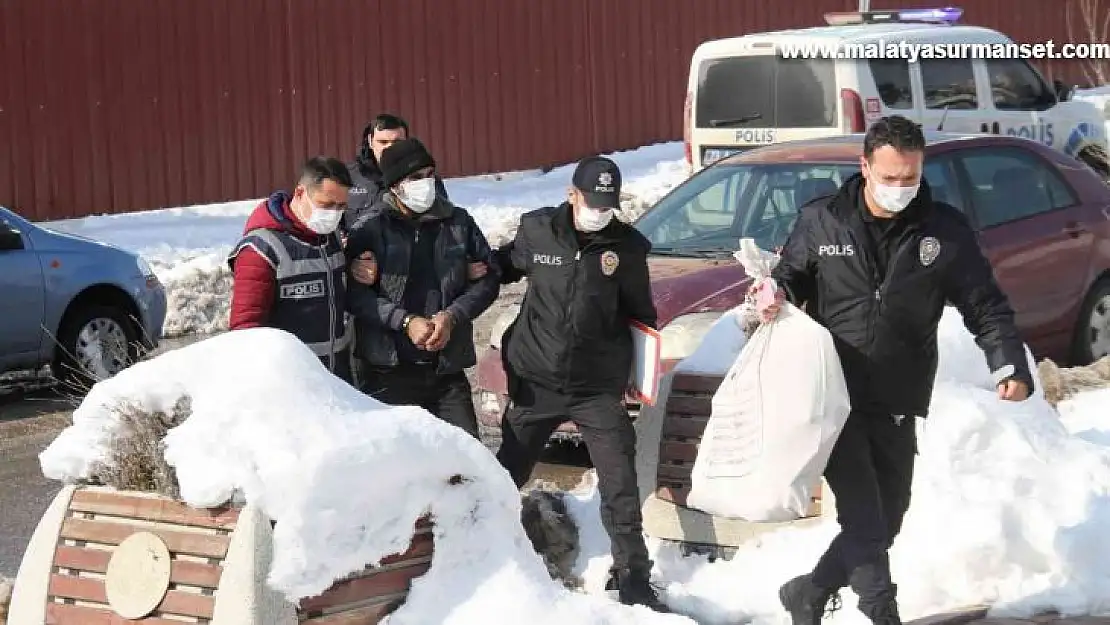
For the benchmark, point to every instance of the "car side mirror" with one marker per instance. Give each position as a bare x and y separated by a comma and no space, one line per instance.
10,238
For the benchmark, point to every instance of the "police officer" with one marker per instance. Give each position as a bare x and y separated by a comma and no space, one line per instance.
569,353
289,266
876,263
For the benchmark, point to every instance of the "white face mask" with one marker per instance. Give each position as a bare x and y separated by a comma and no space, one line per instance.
889,198
418,195
322,220
591,220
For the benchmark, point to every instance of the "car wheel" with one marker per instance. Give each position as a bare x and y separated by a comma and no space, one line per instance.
95,343
1092,332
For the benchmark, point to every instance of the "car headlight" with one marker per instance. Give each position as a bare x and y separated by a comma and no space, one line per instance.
502,325
682,337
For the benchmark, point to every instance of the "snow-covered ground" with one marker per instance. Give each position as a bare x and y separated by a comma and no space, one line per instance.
1010,509
188,246
1010,499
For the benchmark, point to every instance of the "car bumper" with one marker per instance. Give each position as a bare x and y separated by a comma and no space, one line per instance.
152,303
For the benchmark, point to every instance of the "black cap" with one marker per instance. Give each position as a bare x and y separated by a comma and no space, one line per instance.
403,159
599,180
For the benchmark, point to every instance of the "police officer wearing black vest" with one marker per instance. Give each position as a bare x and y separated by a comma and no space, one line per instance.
876,263
569,353
289,267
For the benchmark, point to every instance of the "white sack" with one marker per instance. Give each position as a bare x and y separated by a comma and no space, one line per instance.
775,418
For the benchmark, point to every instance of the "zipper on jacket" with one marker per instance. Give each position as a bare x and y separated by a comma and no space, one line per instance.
573,326
331,306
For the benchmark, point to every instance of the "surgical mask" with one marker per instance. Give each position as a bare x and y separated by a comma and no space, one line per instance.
892,199
418,195
322,220
592,220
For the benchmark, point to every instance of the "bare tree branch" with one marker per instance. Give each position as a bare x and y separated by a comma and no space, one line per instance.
1088,21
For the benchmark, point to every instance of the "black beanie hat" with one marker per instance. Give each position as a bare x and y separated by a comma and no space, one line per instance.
402,159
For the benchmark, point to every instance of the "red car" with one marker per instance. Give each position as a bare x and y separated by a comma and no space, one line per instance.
1044,220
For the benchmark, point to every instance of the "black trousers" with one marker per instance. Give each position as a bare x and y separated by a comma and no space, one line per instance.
447,396
870,472
607,431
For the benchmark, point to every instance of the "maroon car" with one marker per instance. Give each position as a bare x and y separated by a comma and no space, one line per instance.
1044,220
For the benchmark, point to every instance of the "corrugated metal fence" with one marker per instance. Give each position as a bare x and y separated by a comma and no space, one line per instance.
120,105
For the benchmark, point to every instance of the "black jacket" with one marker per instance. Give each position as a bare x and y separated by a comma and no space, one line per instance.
885,327
379,311
572,334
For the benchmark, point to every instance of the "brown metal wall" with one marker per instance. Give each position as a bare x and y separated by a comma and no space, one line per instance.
119,105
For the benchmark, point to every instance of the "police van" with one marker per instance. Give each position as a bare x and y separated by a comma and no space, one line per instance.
744,92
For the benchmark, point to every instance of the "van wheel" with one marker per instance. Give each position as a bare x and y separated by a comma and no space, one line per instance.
95,342
1092,330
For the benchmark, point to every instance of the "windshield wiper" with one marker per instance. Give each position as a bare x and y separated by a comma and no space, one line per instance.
735,121
691,252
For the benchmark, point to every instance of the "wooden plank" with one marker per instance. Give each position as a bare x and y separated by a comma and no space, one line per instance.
96,561
696,382
61,614
674,472
152,509
91,589
671,451
694,405
364,615
362,589
109,533
683,426
422,545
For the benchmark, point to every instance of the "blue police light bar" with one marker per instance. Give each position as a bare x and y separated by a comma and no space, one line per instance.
947,15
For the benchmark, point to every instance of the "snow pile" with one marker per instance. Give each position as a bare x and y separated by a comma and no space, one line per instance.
293,439
188,247
1011,508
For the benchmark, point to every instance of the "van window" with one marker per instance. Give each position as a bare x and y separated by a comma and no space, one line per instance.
1008,184
949,83
892,80
1016,86
766,91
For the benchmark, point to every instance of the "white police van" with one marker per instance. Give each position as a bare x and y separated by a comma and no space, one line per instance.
743,92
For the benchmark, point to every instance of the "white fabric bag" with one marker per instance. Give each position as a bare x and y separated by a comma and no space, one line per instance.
774,420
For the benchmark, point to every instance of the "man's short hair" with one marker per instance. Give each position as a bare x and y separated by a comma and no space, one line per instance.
900,133
388,121
320,168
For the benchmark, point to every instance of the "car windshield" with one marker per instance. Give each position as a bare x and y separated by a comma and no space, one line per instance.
708,215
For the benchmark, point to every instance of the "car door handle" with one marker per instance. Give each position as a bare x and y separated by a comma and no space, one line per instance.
1075,229
996,128
984,128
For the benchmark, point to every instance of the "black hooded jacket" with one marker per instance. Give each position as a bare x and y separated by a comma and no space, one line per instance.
885,325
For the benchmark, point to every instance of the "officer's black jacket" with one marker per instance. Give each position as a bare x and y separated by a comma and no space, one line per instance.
885,326
572,334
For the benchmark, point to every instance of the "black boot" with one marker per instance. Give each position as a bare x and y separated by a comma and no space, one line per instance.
807,602
882,607
878,595
634,588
